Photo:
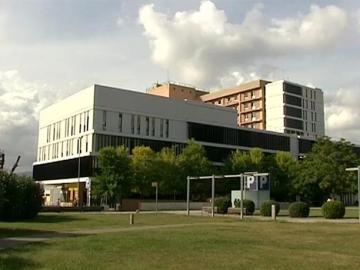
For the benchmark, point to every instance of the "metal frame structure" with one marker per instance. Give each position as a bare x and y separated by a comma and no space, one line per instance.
213,178
358,174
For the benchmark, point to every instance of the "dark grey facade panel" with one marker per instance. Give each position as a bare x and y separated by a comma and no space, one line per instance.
296,101
293,89
293,112
238,137
293,123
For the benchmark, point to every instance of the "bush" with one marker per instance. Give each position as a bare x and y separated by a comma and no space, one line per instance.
249,205
333,209
222,204
21,197
265,208
299,209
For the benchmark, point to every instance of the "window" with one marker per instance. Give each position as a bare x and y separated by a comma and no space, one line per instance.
293,123
293,89
87,144
104,120
138,124
167,128
291,111
80,116
147,126
87,121
292,100
132,124
153,126
161,127
120,122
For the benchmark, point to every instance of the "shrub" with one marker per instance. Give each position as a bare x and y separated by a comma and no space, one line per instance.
333,209
249,205
265,208
222,204
299,209
21,197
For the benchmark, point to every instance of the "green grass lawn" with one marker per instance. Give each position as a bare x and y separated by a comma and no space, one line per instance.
220,243
77,221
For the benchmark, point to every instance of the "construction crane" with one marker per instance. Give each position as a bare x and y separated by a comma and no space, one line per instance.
2,160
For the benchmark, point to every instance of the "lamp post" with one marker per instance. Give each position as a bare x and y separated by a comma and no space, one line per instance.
156,186
358,173
79,148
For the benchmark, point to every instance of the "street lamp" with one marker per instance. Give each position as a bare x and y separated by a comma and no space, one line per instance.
156,186
79,148
358,170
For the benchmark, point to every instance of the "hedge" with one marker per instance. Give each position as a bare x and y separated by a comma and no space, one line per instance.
265,208
20,197
299,209
333,209
249,205
222,204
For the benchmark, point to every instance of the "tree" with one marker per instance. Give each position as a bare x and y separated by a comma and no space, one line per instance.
114,180
144,169
322,173
283,170
237,162
169,179
193,162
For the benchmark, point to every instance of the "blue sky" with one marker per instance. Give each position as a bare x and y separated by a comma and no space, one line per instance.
50,49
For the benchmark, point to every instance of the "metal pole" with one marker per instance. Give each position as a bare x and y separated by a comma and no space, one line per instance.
79,145
188,196
359,191
156,202
212,195
242,196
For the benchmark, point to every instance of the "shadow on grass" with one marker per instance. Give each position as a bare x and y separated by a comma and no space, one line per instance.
16,258
55,218
17,232
16,262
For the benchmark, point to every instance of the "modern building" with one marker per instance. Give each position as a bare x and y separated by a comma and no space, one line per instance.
294,109
72,131
247,99
176,91
279,106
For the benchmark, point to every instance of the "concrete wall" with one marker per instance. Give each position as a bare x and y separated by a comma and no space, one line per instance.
151,206
258,197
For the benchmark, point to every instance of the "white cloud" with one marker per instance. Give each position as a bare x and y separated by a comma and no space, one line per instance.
342,113
357,19
202,47
20,103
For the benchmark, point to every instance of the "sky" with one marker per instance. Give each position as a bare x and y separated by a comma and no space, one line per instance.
51,49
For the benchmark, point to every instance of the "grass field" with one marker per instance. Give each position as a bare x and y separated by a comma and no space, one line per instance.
220,243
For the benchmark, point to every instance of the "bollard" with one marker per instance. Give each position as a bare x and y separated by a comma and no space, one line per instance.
273,212
131,219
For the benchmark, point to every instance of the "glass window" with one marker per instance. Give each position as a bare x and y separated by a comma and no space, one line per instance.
138,124
104,120
153,126
132,124
161,127
120,121
147,126
167,128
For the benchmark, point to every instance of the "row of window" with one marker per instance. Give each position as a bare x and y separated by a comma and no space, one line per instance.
136,124
297,90
55,132
62,149
231,136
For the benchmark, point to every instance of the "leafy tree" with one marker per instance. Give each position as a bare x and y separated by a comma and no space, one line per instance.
237,162
144,169
193,162
283,171
322,173
114,180
256,159
170,181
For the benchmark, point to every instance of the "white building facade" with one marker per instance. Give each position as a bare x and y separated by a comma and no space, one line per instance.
72,131
294,109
